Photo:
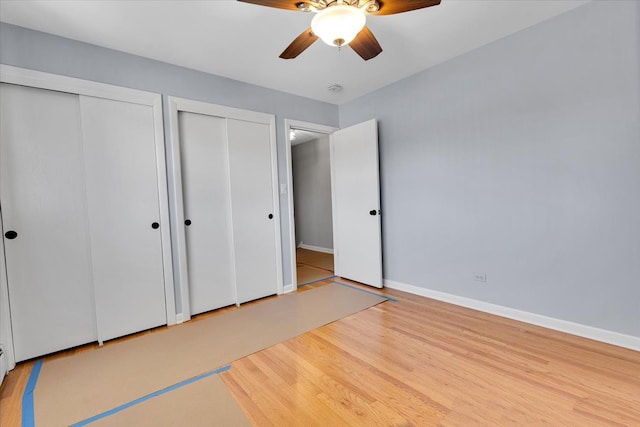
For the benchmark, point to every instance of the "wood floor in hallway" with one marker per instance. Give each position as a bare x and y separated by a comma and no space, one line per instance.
312,265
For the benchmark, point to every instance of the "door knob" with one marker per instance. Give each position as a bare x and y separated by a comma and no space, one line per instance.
187,222
270,216
10,234
155,225
373,212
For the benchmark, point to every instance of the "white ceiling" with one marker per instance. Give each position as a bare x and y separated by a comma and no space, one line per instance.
242,41
300,136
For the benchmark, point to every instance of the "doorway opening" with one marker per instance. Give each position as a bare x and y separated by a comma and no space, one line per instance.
310,221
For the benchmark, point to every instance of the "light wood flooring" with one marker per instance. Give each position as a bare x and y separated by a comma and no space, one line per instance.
420,362
313,265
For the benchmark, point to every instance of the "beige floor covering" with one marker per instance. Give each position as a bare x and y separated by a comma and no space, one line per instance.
206,402
78,387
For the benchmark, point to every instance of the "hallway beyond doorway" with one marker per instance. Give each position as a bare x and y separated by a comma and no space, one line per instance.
312,265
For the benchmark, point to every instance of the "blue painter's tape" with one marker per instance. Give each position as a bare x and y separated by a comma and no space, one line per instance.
150,396
316,281
28,418
365,291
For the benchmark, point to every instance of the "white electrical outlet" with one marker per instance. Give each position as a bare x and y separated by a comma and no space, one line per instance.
480,278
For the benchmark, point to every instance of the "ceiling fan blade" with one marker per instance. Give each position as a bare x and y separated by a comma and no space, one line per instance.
280,4
390,7
299,45
366,45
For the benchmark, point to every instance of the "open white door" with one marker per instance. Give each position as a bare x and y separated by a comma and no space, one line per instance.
356,203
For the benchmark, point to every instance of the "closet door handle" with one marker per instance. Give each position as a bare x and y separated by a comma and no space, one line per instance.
270,216
187,222
373,212
155,225
10,234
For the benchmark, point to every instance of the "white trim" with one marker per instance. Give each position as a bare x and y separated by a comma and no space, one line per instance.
3,367
177,212
315,248
289,288
222,111
163,205
334,218
597,334
276,203
179,318
39,79
288,125
6,334
232,237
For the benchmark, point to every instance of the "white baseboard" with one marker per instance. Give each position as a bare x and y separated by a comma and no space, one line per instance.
3,367
179,318
610,337
315,248
288,288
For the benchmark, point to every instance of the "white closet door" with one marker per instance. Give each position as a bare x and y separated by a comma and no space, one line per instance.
124,220
205,190
43,200
252,209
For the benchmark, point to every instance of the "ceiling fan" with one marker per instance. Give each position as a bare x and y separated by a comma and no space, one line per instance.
341,22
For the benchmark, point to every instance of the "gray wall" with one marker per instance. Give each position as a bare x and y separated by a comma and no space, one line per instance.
39,51
312,193
521,160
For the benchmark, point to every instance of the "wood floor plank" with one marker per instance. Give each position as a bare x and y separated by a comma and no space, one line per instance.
314,259
461,367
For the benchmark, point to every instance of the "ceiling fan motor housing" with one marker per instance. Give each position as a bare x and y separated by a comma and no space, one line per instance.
338,25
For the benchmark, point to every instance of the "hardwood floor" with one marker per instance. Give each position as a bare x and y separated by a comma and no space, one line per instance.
314,259
420,362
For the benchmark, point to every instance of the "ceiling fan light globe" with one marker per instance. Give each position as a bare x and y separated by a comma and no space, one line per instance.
338,25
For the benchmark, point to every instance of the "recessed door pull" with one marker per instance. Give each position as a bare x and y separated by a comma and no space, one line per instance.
10,234
187,222
373,212
270,216
155,225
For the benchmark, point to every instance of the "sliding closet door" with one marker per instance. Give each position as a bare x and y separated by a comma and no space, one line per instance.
42,198
205,192
125,229
252,209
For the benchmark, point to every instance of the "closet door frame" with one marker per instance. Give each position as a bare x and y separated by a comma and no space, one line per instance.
6,333
42,80
177,105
